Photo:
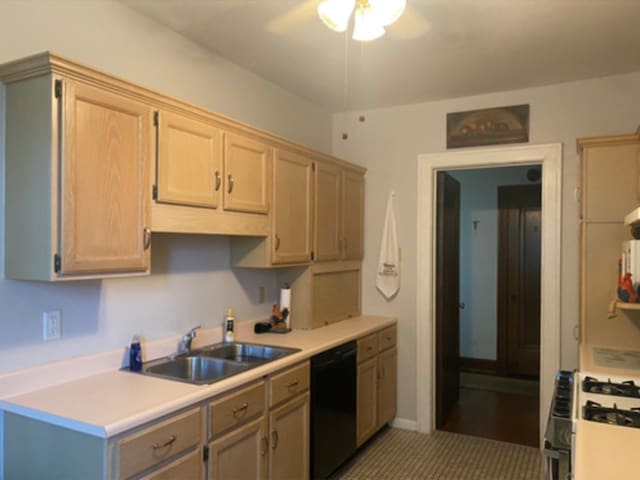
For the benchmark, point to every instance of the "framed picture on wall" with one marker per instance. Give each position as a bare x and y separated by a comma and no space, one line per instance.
489,126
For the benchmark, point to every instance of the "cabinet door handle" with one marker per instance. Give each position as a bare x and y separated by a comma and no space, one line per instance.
146,238
274,439
292,385
265,445
277,238
218,180
158,446
230,179
242,409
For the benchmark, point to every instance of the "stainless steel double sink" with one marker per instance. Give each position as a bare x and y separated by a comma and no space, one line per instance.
216,362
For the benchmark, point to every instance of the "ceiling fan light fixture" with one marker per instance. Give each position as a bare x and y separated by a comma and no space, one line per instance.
336,13
367,25
388,11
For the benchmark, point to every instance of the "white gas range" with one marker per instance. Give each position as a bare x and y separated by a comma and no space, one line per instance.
588,409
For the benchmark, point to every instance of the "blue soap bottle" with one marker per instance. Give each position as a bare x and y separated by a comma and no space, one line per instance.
135,355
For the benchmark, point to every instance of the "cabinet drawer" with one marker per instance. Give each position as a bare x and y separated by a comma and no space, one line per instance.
387,338
188,467
236,408
289,383
155,444
367,347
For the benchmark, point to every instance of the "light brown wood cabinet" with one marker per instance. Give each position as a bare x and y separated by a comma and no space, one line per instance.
339,213
328,211
352,215
251,441
247,169
240,454
77,181
189,161
292,208
609,190
377,382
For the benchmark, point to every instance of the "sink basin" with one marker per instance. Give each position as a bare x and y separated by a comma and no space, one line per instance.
215,362
194,369
246,352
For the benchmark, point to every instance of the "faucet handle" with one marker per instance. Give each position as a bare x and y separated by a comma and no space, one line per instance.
192,333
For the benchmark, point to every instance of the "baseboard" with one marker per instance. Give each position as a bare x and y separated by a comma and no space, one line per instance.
404,424
478,365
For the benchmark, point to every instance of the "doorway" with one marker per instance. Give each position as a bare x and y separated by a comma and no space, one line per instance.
549,156
487,302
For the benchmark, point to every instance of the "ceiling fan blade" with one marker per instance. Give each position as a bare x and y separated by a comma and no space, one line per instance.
293,18
412,24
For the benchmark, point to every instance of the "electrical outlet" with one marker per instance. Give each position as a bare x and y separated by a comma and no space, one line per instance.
260,294
52,325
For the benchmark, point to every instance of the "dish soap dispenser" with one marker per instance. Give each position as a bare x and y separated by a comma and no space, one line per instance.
228,326
135,355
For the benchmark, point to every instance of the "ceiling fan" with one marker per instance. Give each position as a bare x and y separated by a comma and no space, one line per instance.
368,17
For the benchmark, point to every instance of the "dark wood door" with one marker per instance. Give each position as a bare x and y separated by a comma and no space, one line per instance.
447,296
519,280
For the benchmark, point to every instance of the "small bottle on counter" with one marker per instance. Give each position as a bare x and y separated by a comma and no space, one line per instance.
228,326
135,355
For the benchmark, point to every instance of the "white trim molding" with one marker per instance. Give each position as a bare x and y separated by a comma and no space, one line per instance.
550,157
404,424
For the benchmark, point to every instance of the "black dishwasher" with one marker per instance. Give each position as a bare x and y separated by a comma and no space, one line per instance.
333,409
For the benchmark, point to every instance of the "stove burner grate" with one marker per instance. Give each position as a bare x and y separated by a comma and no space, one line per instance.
612,415
622,389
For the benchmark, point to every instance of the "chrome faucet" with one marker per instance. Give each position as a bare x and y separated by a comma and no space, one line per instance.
188,338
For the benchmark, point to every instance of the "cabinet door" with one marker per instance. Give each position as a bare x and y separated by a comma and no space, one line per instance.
367,399
292,208
605,170
289,444
353,216
387,385
246,169
241,454
327,212
105,187
188,467
189,169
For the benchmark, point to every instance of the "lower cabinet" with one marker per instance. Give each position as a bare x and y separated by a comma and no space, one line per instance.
377,382
241,453
250,441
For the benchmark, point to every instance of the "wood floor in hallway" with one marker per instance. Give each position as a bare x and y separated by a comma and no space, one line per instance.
506,417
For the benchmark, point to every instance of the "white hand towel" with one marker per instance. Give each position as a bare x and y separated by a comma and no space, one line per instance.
388,275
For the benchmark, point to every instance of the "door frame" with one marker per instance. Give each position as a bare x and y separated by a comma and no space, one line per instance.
550,157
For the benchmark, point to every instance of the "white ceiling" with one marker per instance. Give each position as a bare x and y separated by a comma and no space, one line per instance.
438,49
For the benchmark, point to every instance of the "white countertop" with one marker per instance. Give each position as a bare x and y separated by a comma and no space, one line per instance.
110,403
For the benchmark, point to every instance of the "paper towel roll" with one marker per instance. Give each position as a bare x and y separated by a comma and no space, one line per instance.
285,302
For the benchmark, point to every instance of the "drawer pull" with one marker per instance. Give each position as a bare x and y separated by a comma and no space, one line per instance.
158,446
369,348
240,410
265,445
292,385
388,338
274,439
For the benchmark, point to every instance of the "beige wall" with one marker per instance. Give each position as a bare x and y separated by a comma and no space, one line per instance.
191,281
389,142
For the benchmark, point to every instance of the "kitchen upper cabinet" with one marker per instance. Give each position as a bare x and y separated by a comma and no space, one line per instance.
247,171
292,208
328,211
104,181
189,161
77,181
352,215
